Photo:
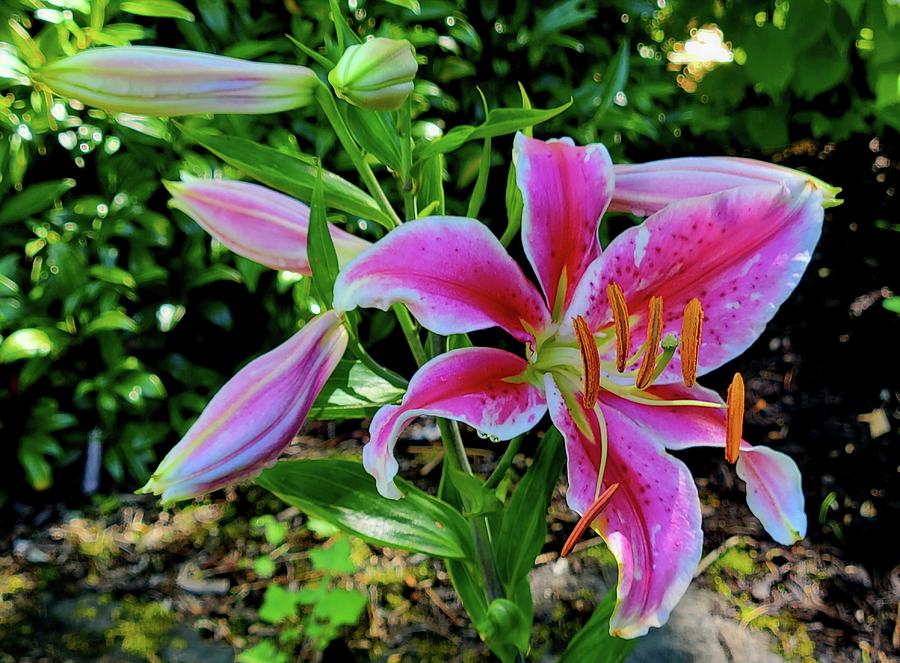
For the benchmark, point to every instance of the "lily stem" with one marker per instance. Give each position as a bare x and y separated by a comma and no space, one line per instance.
411,333
329,107
505,461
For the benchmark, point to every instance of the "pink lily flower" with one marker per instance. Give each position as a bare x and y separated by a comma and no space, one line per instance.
254,417
257,222
739,252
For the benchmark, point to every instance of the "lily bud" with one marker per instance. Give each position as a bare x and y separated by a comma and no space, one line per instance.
377,74
149,80
257,222
645,188
251,420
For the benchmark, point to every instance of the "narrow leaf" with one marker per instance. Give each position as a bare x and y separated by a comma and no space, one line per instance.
352,392
525,521
342,493
320,247
594,637
294,175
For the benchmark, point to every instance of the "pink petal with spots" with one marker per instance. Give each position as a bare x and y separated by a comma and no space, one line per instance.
565,190
774,487
652,522
644,188
451,272
468,385
740,252
257,222
250,421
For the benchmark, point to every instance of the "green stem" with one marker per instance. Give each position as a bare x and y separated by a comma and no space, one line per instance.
455,454
407,187
505,461
329,107
411,333
397,380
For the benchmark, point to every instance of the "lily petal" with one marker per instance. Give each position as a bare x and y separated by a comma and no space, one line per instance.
257,222
741,252
469,385
565,190
652,523
451,272
644,188
774,487
250,421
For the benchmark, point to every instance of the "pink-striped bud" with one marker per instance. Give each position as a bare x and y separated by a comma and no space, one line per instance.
149,80
251,420
256,222
645,188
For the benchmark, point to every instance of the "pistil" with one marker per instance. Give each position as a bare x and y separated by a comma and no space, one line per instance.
589,517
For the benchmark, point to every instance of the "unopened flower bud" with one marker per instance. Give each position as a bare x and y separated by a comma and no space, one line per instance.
645,188
377,74
257,222
149,80
251,420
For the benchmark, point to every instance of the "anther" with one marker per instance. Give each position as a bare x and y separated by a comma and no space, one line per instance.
620,322
734,419
589,516
654,336
691,326
590,361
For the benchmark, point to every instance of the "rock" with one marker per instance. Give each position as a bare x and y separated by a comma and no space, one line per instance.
699,631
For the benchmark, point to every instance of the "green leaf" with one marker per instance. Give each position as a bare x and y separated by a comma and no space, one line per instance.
278,604
320,247
892,304
375,133
770,58
33,200
431,184
594,640
335,558
499,122
25,344
110,321
477,499
264,652
614,79
412,5
156,9
342,493
524,525
352,392
113,275
294,175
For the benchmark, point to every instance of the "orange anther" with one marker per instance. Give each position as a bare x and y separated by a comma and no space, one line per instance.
620,322
589,516
590,361
654,336
691,327
734,419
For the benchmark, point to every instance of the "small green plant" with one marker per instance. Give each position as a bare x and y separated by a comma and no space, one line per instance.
313,614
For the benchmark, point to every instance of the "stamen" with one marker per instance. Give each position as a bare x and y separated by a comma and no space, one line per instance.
691,326
590,361
734,419
620,322
589,516
654,336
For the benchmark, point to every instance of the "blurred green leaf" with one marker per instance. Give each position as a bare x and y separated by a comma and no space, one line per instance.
157,8
24,344
34,199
